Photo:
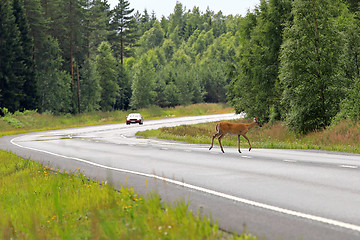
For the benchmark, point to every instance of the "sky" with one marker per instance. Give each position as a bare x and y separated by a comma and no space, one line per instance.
166,7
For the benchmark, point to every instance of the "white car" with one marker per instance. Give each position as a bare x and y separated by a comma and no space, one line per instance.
134,118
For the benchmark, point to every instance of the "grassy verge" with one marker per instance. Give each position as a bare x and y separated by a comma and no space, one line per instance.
43,203
344,136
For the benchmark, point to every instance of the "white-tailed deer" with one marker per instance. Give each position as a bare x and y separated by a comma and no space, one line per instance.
238,129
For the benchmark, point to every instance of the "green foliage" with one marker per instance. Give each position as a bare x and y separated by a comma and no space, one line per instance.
172,95
27,70
11,119
124,82
143,85
286,60
90,87
106,68
97,19
13,122
255,82
11,62
350,106
151,38
310,64
53,83
123,30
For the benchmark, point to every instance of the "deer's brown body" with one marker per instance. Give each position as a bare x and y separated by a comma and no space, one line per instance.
239,129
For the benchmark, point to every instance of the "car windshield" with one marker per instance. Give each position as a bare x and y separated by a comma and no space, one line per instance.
134,115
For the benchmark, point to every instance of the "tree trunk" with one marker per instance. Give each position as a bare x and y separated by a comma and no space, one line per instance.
78,85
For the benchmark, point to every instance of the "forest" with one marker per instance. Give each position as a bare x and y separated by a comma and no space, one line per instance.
290,60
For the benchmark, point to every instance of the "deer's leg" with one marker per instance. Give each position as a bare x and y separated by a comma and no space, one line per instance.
220,143
248,141
239,143
212,140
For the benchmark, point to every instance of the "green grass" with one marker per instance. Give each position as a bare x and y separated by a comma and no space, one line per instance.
41,203
344,136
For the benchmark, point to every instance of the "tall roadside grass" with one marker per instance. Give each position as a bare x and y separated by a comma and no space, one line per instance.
41,203
344,136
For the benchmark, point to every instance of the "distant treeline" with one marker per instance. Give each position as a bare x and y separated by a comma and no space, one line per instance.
292,60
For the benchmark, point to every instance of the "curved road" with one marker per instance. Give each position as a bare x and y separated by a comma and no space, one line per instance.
277,194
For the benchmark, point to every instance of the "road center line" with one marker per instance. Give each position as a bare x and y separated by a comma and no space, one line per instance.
208,191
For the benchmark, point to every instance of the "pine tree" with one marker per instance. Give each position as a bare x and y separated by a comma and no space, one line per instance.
38,25
123,29
11,64
27,72
66,25
54,83
97,18
124,82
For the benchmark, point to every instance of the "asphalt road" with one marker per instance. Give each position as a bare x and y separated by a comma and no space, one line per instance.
275,194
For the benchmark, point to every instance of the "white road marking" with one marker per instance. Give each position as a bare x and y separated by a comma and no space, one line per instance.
349,166
246,157
290,161
209,191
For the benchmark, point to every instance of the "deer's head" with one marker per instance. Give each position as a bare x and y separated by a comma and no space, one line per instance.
257,122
